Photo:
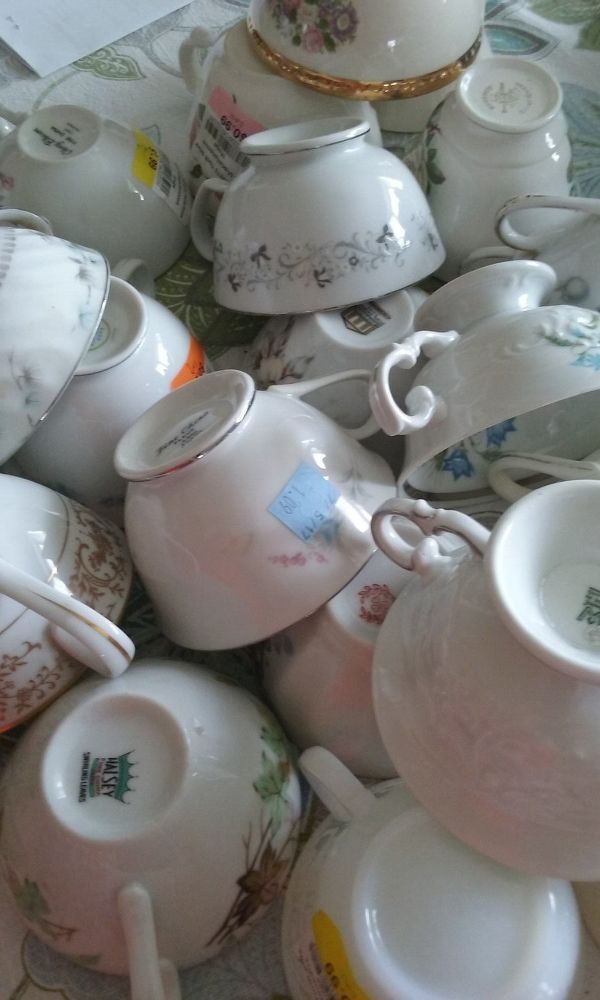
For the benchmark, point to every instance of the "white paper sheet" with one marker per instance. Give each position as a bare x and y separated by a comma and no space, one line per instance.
50,34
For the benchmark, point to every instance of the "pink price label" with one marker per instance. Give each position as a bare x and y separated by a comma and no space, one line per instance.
232,118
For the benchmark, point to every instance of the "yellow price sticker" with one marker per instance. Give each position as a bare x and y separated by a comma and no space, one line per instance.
145,159
333,957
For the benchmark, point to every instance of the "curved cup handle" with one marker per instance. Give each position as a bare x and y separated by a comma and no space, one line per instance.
25,220
340,792
426,556
137,274
83,633
501,473
422,404
202,237
306,386
514,238
199,38
491,255
151,978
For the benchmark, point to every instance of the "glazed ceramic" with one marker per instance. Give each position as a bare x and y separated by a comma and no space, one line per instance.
229,88
61,565
570,246
52,294
384,904
520,381
368,49
246,510
536,469
500,134
501,746
140,352
290,238
317,673
292,348
98,183
170,778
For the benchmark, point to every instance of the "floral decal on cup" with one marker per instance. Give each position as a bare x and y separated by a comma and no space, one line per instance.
316,25
260,265
581,337
267,863
464,459
375,600
269,362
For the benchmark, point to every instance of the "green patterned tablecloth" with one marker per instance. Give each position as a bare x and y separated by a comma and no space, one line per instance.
137,81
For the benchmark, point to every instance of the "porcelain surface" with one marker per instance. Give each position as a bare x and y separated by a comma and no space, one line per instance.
170,777
268,498
60,542
390,866
140,352
98,183
289,238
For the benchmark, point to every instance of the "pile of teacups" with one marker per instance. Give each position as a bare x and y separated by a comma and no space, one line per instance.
154,812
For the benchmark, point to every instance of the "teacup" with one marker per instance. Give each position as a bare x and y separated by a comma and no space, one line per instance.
317,673
383,903
566,236
368,49
501,133
98,183
521,381
246,510
486,676
65,576
290,238
292,348
140,352
53,296
229,88
167,792
535,469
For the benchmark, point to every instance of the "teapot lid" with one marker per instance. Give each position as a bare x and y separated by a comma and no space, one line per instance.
183,426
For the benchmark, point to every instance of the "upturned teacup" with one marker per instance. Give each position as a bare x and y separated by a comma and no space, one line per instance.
246,509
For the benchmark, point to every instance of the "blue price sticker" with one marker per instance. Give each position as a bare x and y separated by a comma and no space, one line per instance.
305,502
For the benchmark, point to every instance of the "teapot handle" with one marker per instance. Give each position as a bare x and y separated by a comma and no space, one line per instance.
339,790
514,238
423,406
426,556
305,386
202,237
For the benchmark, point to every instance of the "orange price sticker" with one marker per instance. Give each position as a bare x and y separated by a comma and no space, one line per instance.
193,366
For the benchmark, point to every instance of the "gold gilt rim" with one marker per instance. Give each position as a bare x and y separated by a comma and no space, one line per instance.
363,90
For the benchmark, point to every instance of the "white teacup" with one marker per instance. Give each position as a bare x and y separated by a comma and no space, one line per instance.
140,352
246,510
65,576
317,673
566,235
501,133
383,903
230,89
163,793
289,237
98,183
292,348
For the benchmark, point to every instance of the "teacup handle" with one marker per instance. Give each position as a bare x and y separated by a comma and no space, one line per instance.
513,238
339,790
82,632
202,237
305,386
25,220
501,472
151,978
137,274
426,556
491,255
199,38
422,404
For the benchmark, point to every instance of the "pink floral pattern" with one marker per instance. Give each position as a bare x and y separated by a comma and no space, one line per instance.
375,600
316,25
